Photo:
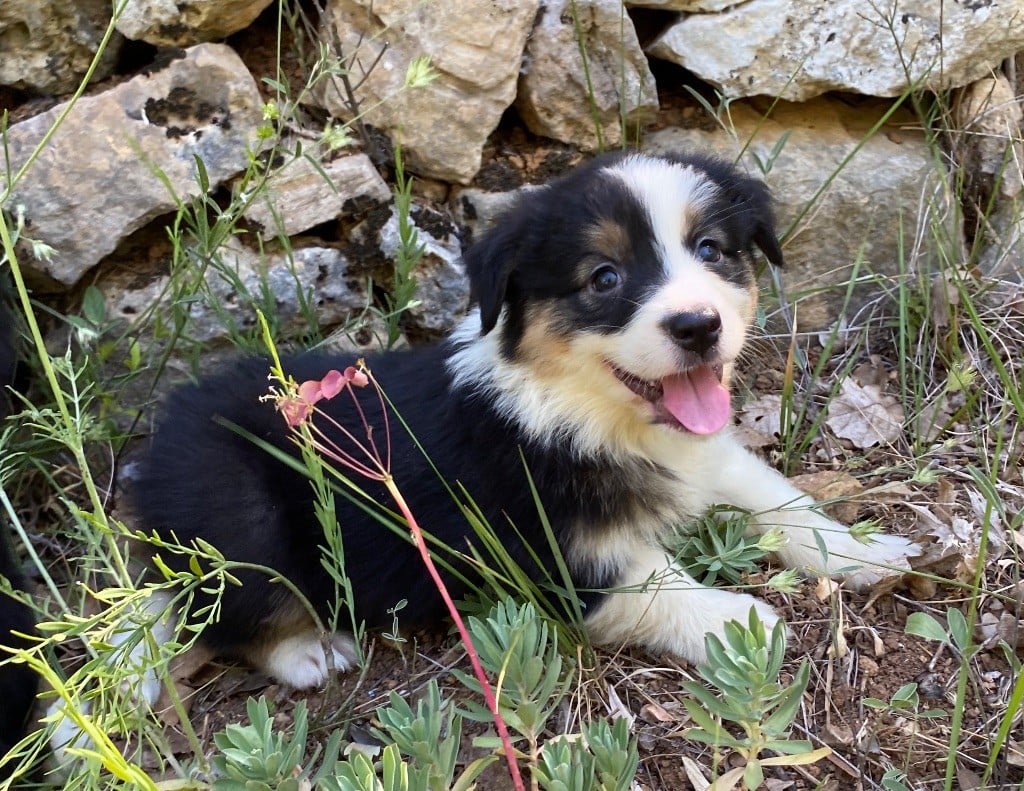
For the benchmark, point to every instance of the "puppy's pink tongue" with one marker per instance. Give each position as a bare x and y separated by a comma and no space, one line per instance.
697,400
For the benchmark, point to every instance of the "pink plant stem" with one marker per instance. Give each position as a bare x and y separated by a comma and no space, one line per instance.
492,703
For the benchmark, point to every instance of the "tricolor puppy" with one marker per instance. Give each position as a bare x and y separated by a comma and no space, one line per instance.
611,308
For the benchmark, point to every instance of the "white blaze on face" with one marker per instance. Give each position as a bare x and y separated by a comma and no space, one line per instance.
674,197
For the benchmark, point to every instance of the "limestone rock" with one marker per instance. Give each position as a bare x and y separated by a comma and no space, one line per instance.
94,182
477,209
298,196
988,117
990,154
865,204
555,99
442,287
184,22
691,6
47,45
240,279
476,48
844,45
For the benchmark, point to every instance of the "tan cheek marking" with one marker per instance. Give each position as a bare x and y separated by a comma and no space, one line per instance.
542,348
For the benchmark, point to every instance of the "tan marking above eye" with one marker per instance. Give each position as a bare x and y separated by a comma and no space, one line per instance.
609,239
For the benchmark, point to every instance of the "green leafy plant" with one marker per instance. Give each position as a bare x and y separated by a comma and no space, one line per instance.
408,254
429,737
358,773
518,647
749,711
719,548
602,758
258,757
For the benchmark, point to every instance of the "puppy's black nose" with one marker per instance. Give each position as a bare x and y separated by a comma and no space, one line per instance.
695,332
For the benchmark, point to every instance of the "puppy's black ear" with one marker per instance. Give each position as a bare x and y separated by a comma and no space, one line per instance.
489,264
760,217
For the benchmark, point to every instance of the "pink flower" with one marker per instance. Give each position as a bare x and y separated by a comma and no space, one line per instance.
295,410
298,408
357,376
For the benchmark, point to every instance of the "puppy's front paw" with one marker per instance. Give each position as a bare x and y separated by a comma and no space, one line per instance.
884,556
860,564
717,607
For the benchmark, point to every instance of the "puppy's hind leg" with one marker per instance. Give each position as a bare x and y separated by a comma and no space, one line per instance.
134,655
294,651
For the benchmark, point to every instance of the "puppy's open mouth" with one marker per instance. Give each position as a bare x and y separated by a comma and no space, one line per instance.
695,400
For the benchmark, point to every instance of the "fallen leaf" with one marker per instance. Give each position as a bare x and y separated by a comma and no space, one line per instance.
617,709
653,712
760,420
864,415
826,588
694,774
832,485
1014,753
837,735
966,779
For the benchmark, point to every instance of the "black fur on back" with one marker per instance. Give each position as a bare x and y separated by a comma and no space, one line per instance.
201,479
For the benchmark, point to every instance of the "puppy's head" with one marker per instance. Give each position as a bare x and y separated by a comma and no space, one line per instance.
628,286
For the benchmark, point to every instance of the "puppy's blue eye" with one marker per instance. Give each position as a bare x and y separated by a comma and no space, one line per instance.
604,279
708,251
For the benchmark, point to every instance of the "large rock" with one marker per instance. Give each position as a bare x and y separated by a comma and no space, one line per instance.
476,48
585,102
184,22
47,45
840,197
300,194
95,181
797,50
240,280
989,153
442,286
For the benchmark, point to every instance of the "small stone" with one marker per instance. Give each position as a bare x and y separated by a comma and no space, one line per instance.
185,22
300,194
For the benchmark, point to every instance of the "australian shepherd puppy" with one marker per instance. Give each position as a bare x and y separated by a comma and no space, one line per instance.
611,308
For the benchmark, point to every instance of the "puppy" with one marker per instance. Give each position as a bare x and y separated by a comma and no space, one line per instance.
611,308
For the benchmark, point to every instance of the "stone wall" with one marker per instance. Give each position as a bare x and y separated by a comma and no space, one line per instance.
828,101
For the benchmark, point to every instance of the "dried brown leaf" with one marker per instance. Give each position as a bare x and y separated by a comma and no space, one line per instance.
832,485
654,713
864,415
695,774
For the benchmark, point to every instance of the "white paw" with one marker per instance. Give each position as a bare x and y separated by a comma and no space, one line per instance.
724,606
66,736
708,610
860,564
301,662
